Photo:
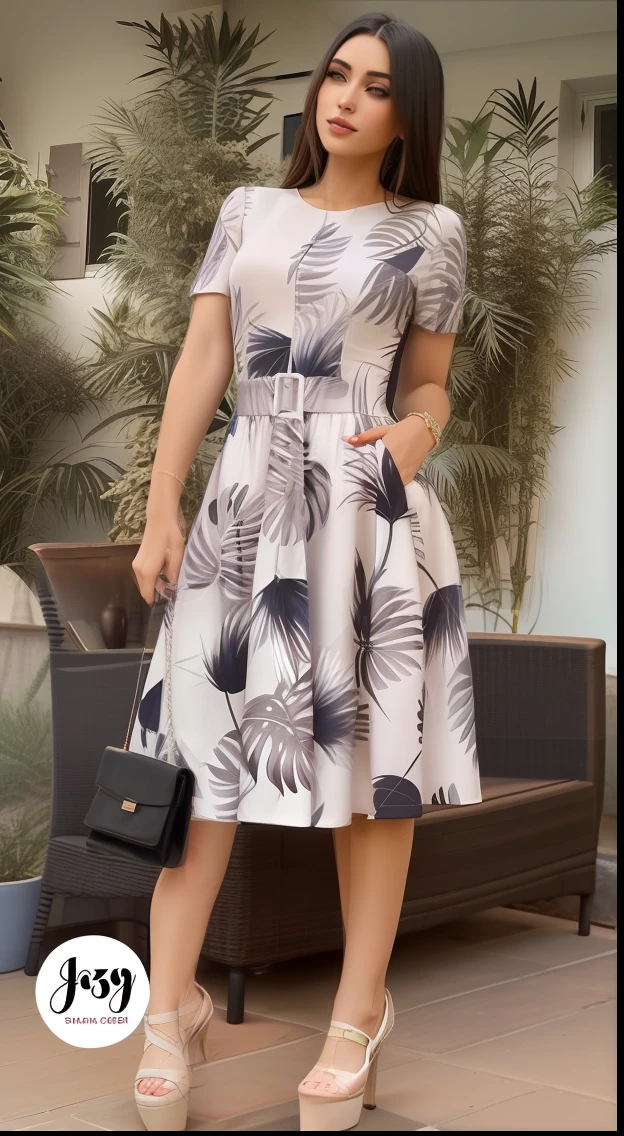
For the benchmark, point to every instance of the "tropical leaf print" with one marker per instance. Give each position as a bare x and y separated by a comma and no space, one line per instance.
443,623
314,263
420,717
316,816
215,252
391,502
441,290
379,485
277,728
225,775
268,351
226,667
284,513
316,492
417,540
318,341
451,798
361,732
387,296
396,797
335,707
461,706
280,616
149,711
223,543
397,233
387,633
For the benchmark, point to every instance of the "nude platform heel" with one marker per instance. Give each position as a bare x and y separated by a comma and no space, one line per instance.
169,1113
325,1111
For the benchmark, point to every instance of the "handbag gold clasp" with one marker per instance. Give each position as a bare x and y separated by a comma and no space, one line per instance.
128,806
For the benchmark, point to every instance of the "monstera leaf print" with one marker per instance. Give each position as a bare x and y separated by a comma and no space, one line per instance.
284,514
226,772
443,623
280,617
461,706
226,667
223,543
387,632
314,262
278,728
316,492
335,707
396,797
268,351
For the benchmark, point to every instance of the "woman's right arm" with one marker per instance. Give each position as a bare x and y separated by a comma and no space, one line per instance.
199,381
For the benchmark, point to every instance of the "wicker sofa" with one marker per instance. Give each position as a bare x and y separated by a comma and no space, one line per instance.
540,717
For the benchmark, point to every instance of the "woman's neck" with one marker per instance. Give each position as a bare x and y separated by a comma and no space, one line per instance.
347,184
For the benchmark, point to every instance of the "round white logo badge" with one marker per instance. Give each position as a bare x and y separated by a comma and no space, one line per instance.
92,991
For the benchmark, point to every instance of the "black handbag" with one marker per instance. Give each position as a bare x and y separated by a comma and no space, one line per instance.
142,807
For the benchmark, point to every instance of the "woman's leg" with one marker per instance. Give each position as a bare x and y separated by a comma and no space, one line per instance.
181,906
342,851
375,884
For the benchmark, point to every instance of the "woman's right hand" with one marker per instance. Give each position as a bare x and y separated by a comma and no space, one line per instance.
161,552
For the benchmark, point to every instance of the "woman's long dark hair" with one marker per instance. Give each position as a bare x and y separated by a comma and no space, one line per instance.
410,168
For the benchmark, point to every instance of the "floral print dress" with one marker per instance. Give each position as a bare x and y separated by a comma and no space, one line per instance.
319,659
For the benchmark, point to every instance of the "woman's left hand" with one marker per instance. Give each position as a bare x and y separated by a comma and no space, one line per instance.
409,441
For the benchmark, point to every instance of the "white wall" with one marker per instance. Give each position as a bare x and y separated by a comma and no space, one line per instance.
55,79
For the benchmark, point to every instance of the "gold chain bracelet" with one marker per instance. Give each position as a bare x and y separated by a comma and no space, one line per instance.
168,473
430,423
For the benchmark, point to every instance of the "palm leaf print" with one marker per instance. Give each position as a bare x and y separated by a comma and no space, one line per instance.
215,252
395,234
149,711
387,295
461,706
443,622
314,262
335,708
316,816
278,727
387,632
440,293
417,540
396,797
280,617
378,488
421,715
225,775
226,667
223,543
451,798
361,732
318,340
284,513
268,351
316,491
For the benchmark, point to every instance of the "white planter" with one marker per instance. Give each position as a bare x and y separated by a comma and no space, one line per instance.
18,908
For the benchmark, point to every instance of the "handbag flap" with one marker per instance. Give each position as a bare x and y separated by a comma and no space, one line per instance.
137,778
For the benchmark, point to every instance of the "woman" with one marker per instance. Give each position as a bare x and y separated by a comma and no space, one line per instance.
319,669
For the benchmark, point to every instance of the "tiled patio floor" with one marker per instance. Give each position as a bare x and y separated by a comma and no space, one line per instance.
505,1022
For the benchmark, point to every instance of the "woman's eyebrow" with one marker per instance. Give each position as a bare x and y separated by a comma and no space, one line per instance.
377,74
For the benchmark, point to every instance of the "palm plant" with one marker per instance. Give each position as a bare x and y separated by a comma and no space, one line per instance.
533,248
29,212
172,157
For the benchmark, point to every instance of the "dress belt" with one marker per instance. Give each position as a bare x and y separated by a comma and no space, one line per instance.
282,394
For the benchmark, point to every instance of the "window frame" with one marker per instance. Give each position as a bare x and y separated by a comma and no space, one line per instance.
585,135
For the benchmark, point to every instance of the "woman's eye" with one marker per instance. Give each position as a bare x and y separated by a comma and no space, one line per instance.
335,75
378,91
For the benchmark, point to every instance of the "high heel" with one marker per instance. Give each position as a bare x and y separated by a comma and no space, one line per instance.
322,1110
169,1113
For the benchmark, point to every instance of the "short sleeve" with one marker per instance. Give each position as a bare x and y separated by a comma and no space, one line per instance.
440,276
214,271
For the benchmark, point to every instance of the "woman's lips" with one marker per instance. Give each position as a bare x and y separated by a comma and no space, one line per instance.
336,128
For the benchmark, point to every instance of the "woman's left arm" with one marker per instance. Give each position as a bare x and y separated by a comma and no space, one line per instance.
422,381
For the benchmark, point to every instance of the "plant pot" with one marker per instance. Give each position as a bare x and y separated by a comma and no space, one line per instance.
18,908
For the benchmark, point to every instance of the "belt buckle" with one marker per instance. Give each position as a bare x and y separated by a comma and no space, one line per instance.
288,395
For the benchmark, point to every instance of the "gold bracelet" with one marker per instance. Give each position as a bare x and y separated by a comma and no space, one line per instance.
168,473
430,423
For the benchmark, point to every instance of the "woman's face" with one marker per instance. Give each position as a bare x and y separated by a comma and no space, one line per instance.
356,91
